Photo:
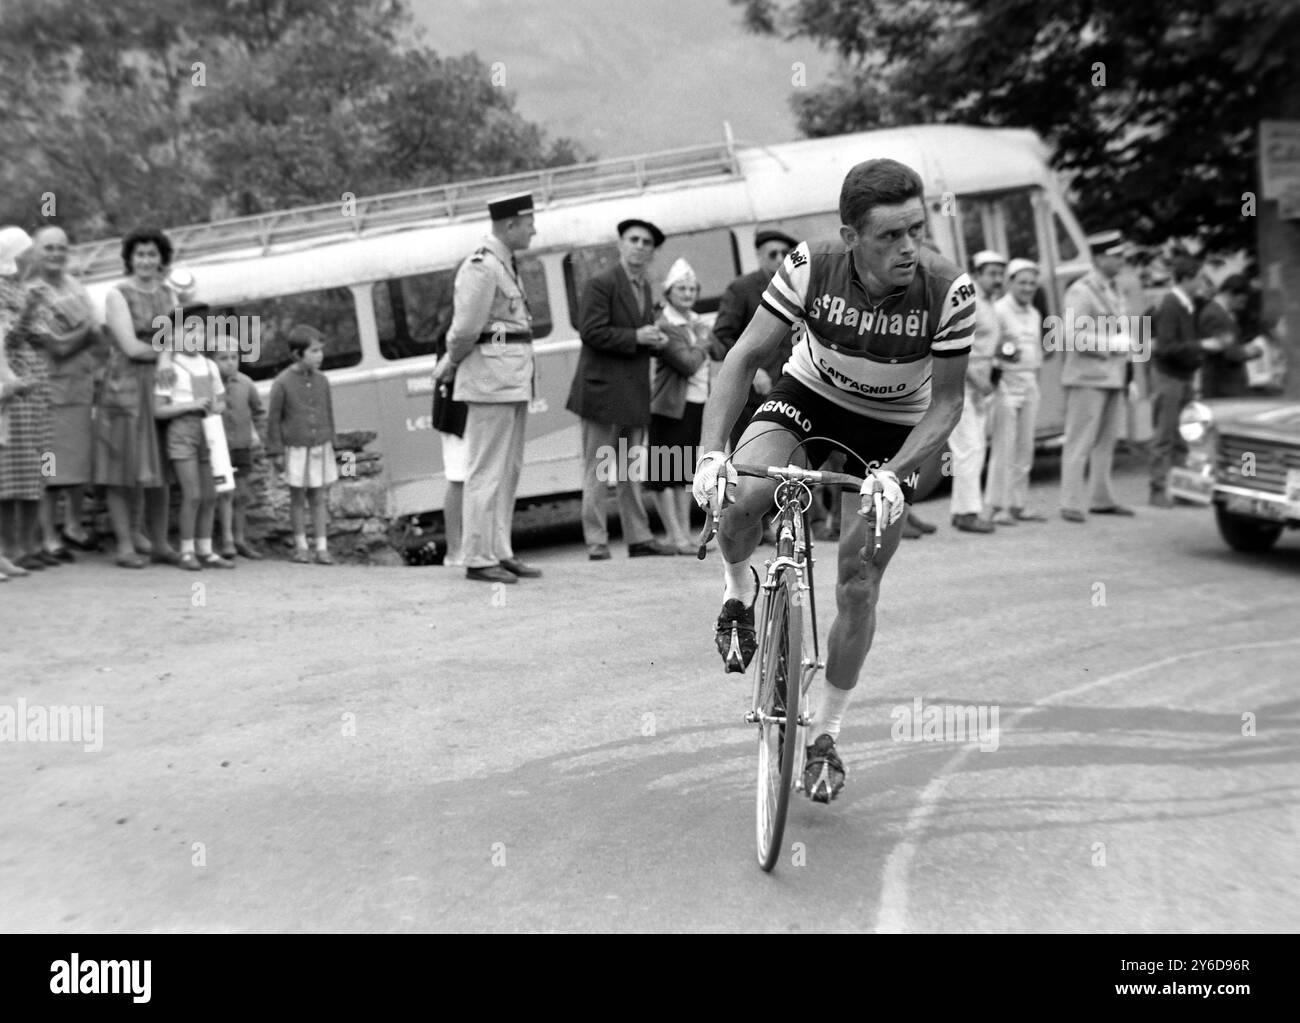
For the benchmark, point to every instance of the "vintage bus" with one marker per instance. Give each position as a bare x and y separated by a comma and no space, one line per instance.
375,275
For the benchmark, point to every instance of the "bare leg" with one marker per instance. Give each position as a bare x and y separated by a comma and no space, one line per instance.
207,506
187,474
226,518
138,540
682,497
240,510
45,515
156,500
319,529
29,520
121,501
9,530
73,513
857,589
740,529
298,516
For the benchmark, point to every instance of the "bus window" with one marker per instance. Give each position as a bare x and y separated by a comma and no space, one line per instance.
712,254
816,227
414,313
580,266
331,311
1018,218
1066,250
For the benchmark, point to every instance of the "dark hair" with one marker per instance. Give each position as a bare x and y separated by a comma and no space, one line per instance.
1184,268
1235,284
143,236
303,337
876,183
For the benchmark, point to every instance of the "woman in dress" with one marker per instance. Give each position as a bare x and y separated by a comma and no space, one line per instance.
127,460
678,390
27,416
62,325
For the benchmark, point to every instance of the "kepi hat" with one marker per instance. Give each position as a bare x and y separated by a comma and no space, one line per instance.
677,273
987,256
1107,243
763,237
514,206
1017,265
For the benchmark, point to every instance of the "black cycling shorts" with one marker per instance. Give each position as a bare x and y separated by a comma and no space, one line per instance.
799,410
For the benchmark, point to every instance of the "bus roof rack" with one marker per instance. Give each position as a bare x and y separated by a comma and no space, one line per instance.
422,207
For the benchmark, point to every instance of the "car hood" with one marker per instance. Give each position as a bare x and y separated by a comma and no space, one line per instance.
1266,419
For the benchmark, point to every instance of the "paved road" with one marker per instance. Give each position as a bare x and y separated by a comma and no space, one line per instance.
304,748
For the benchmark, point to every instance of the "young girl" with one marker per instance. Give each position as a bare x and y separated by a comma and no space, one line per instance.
300,439
242,416
195,392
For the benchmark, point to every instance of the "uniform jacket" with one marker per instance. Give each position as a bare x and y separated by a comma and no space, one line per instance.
612,382
1178,350
489,327
1085,365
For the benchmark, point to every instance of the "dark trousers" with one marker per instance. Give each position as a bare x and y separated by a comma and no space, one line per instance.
1171,395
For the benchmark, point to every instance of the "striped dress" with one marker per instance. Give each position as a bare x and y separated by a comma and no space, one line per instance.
28,414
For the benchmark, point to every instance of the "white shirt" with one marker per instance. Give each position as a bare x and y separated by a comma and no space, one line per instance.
196,378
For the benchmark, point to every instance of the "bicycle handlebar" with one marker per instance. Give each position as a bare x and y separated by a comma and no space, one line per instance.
784,474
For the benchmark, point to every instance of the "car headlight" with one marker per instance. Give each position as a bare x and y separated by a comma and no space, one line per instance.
1195,422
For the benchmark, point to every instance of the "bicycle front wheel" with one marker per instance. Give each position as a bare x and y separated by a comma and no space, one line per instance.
777,705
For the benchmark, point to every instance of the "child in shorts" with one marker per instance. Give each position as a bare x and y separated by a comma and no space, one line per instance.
244,418
300,439
195,392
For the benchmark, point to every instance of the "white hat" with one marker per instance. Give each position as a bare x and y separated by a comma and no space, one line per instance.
13,243
988,256
1016,265
678,272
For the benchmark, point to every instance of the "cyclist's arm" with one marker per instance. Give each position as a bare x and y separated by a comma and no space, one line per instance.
947,392
757,345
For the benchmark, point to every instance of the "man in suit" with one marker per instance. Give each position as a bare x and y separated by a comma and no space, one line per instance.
1224,372
738,305
611,388
1094,376
1178,354
490,357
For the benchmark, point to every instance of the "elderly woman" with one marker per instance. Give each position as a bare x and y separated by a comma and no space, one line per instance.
127,458
678,390
61,323
1019,354
27,415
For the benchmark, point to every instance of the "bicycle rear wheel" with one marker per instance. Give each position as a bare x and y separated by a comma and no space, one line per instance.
777,697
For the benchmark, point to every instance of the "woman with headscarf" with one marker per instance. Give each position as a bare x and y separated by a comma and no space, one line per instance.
27,414
678,390
62,324
127,458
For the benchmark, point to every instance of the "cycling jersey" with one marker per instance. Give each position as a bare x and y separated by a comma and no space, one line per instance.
870,358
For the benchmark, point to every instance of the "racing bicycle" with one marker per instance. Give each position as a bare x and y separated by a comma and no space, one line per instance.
788,642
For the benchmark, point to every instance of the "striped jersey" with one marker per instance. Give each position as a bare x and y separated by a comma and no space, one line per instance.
873,359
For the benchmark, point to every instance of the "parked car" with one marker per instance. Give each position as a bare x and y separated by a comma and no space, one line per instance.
1245,455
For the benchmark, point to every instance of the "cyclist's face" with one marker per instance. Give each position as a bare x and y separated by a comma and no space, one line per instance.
889,243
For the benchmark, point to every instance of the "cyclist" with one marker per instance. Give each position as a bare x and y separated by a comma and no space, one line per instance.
883,329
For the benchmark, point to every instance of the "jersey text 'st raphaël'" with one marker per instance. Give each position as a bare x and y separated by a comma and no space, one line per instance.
871,358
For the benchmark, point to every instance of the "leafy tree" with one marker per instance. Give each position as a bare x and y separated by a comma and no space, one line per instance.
1151,108
134,111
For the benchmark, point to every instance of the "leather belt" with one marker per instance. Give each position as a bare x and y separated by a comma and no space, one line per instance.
511,338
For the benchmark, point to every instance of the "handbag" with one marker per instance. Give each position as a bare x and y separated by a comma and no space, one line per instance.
449,415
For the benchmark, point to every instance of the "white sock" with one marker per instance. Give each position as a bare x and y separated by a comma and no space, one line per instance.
187,546
300,541
740,582
320,543
830,710
204,546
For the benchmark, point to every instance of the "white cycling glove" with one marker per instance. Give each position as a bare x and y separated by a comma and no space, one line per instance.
705,485
885,482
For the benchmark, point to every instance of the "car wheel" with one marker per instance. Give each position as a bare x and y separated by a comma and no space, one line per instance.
1245,534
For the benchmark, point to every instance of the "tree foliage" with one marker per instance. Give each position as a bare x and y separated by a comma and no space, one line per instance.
1151,108
176,113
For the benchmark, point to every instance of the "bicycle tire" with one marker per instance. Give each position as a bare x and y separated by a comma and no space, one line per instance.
778,683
